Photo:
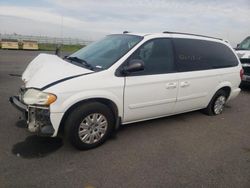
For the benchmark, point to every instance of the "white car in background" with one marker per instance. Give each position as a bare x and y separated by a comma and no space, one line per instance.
243,52
126,78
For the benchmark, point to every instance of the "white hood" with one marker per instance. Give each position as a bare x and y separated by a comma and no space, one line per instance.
46,69
243,54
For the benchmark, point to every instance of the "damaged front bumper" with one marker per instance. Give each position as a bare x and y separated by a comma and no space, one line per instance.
37,117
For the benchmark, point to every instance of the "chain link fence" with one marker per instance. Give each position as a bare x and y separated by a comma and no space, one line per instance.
45,39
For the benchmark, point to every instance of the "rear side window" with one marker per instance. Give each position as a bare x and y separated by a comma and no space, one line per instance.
157,55
192,54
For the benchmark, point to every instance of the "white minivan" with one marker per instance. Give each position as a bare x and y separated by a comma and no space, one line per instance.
243,52
126,78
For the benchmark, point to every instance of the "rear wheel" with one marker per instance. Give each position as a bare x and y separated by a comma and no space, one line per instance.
217,104
89,125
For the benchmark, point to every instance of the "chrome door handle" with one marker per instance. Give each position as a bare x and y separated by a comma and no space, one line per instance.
171,85
184,84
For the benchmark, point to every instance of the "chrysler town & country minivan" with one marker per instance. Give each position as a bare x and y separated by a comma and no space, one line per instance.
126,78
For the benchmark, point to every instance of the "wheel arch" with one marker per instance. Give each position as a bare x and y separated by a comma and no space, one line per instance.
111,104
227,89
225,86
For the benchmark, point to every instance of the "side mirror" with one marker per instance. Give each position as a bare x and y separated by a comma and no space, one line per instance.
134,65
238,45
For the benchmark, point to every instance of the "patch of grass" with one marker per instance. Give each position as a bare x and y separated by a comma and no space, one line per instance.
64,48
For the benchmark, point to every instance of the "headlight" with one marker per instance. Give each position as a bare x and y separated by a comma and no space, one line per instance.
34,96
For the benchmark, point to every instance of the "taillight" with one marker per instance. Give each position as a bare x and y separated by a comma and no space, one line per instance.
241,74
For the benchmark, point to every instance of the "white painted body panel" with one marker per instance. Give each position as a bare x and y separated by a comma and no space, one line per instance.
195,89
46,68
202,85
149,96
137,98
96,85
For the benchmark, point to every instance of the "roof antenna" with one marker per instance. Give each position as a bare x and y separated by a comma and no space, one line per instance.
125,32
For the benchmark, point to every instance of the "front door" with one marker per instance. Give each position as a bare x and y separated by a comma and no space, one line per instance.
152,92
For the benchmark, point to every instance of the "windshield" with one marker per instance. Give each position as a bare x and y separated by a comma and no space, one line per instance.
245,44
104,53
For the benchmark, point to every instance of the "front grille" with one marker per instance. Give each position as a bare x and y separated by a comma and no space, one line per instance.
246,71
246,68
245,61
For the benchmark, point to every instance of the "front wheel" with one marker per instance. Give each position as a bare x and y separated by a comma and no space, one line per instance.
89,125
217,104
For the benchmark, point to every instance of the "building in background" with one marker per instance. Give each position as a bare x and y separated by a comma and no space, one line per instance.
9,44
29,45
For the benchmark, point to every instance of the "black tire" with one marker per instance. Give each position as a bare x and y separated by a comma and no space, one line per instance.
75,118
209,110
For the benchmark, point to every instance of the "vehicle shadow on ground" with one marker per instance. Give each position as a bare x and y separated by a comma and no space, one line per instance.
36,147
245,88
21,124
172,120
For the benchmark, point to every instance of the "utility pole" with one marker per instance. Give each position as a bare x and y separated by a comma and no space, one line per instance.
60,43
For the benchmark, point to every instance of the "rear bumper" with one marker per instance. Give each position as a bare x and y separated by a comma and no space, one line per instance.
234,93
38,118
246,78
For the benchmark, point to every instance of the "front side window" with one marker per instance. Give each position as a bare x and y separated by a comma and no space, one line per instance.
157,56
104,53
193,54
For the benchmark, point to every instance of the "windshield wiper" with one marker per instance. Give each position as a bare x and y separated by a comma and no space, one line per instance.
82,61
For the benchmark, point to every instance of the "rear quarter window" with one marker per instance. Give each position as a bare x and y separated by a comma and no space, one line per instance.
193,54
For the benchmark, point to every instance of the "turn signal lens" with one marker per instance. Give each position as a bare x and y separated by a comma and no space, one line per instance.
51,99
36,97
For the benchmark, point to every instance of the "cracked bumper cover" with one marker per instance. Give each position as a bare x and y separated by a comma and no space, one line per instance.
37,117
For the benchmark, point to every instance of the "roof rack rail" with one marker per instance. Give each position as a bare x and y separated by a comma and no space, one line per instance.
125,32
171,32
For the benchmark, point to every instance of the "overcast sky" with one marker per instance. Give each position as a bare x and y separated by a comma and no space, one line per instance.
92,19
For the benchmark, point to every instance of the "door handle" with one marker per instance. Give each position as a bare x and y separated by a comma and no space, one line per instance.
171,85
184,84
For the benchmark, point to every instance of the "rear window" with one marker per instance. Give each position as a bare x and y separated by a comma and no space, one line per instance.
192,54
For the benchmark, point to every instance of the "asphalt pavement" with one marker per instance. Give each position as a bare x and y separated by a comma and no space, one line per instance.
187,150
